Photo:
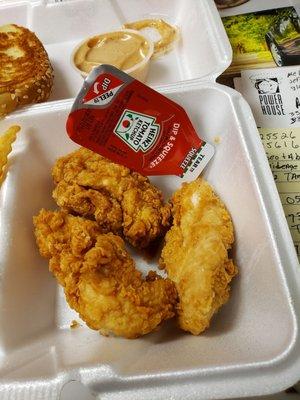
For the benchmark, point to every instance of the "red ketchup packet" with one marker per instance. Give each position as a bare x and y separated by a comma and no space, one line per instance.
124,120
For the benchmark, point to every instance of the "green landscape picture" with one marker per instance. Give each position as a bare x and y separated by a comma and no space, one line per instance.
264,39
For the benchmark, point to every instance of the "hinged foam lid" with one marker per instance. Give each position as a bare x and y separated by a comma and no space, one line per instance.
202,53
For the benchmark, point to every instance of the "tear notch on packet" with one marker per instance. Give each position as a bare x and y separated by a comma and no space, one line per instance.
131,124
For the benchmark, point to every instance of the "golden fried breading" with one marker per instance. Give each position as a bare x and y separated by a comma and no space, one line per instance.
6,141
73,198
99,277
195,254
145,216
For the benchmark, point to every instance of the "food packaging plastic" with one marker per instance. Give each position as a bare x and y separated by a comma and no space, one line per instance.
252,346
138,71
153,33
153,134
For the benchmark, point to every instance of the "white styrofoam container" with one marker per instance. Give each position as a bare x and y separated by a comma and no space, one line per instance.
203,50
252,347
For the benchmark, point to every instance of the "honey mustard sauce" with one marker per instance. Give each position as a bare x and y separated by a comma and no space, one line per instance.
168,34
121,49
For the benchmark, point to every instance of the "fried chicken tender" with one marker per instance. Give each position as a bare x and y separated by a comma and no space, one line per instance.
90,203
144,215
195,254
99,277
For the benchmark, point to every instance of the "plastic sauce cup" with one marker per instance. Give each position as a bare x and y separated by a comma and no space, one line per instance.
138,71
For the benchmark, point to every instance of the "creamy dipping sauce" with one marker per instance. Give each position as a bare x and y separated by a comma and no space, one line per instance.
122,49
167,33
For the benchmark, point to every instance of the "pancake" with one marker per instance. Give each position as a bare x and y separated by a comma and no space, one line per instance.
26,74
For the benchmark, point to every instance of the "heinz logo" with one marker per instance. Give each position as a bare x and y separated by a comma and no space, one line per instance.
138,131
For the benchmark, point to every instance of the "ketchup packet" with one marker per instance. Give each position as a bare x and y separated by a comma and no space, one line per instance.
131,124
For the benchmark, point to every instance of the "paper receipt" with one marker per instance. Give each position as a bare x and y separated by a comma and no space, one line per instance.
274,97
282,146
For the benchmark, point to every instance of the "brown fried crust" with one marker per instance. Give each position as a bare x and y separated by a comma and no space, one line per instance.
99,276
195,254
144,217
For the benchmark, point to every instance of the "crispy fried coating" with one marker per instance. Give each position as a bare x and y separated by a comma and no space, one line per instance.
90,203
6,141
195,254
144,215
99,277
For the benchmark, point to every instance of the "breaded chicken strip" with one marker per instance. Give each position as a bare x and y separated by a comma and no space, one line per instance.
90,203
144,215
195,254
99,277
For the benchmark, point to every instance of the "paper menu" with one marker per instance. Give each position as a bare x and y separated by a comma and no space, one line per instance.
279,128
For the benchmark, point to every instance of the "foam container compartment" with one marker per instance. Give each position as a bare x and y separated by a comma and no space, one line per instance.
203,49
252,346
